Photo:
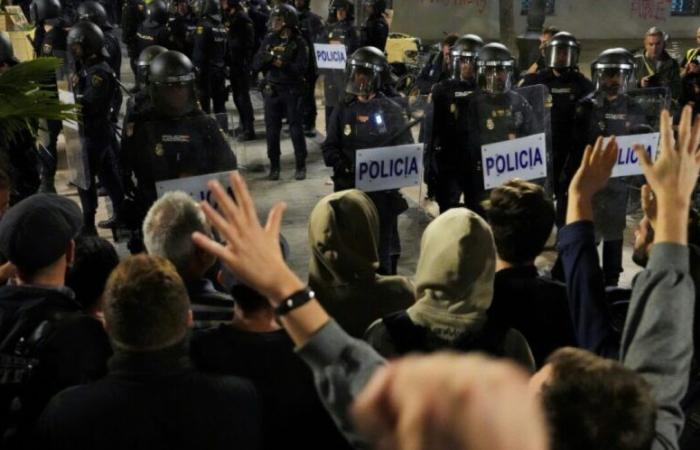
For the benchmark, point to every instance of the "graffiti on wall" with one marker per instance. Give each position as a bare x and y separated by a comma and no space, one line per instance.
479,5
658,10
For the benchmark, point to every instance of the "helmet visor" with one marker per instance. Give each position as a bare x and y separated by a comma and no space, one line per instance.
463,66
362,81
613,80
496,79
174,99
560,56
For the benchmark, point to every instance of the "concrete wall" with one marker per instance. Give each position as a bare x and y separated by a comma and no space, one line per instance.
587,19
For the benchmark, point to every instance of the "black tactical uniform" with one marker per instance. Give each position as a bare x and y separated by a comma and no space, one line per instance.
339,32
495,114
182,24
356,125
312,29
94,12
375,31
133,13
241,48
608,111
49,43
174,138
284,59
567,86
154,29
259,13
95,92
446,149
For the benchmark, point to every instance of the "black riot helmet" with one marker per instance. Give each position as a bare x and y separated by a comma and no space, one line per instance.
378,6
613,71
85,39
143,64
207,8
302,5
283,16
562,51
93,12
45,11
464,51
365,70
7,53
495,68
347,5
171,84
157,11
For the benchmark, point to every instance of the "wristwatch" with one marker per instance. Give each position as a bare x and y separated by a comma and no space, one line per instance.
294,301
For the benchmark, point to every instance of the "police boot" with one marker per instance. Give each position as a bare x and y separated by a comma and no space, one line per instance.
309,132
274,171
248,134
300,173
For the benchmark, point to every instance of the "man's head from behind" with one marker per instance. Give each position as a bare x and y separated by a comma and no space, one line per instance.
592,402
167,232
37,234
146,306
521,217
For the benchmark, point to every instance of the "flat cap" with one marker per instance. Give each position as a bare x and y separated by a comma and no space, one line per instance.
35,232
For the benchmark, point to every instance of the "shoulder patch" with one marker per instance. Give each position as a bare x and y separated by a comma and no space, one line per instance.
97,80
200,30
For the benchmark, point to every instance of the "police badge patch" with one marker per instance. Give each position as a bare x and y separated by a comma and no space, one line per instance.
489,124
96,80
159,150
347,130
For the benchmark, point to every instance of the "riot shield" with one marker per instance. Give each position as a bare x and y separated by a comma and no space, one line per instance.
652,101
539,98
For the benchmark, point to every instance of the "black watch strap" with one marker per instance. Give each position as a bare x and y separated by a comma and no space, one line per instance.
294,301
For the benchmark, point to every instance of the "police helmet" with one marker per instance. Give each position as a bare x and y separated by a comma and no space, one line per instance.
613,71
562,51
85,39
463,51
171,84
283,16
157,11
379,6
143,63
207,8
46,11
347,5
365,70
93,12
7,54
495,68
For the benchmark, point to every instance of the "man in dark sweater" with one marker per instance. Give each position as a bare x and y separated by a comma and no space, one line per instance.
152,398
521,218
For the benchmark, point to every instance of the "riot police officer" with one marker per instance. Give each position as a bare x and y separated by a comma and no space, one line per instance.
446,145
495,113
284,58
182,24
241,47
94,12
50,40
341,31
259,13
605,112
133,13
154,29
368,119
375,31
94,92
311,27
566,86
174,138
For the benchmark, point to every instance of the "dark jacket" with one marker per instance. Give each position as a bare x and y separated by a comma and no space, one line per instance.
375,32
293,416
209,306
241,41
535,306
667,74
153,400
293,53
75,351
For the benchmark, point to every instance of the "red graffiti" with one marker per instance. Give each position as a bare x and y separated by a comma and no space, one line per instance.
651,9
480,5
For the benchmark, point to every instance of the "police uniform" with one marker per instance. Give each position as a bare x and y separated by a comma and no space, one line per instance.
597,116
344,33
182,28
492,118
259,13
95,92
376,32
566,90
115,52
434,72
150,33
311,27
132,16
209,56
283,91
241,47
446,143
356,125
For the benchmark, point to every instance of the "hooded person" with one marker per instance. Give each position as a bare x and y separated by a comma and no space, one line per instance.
344,234
454,286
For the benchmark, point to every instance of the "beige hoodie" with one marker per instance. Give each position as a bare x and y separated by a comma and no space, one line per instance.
343,234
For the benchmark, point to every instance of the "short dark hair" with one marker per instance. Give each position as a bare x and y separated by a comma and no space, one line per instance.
146,304
449,40
593,402
95,258
521,216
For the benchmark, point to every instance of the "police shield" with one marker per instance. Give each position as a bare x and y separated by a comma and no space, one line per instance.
651,101
76,158
331,60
